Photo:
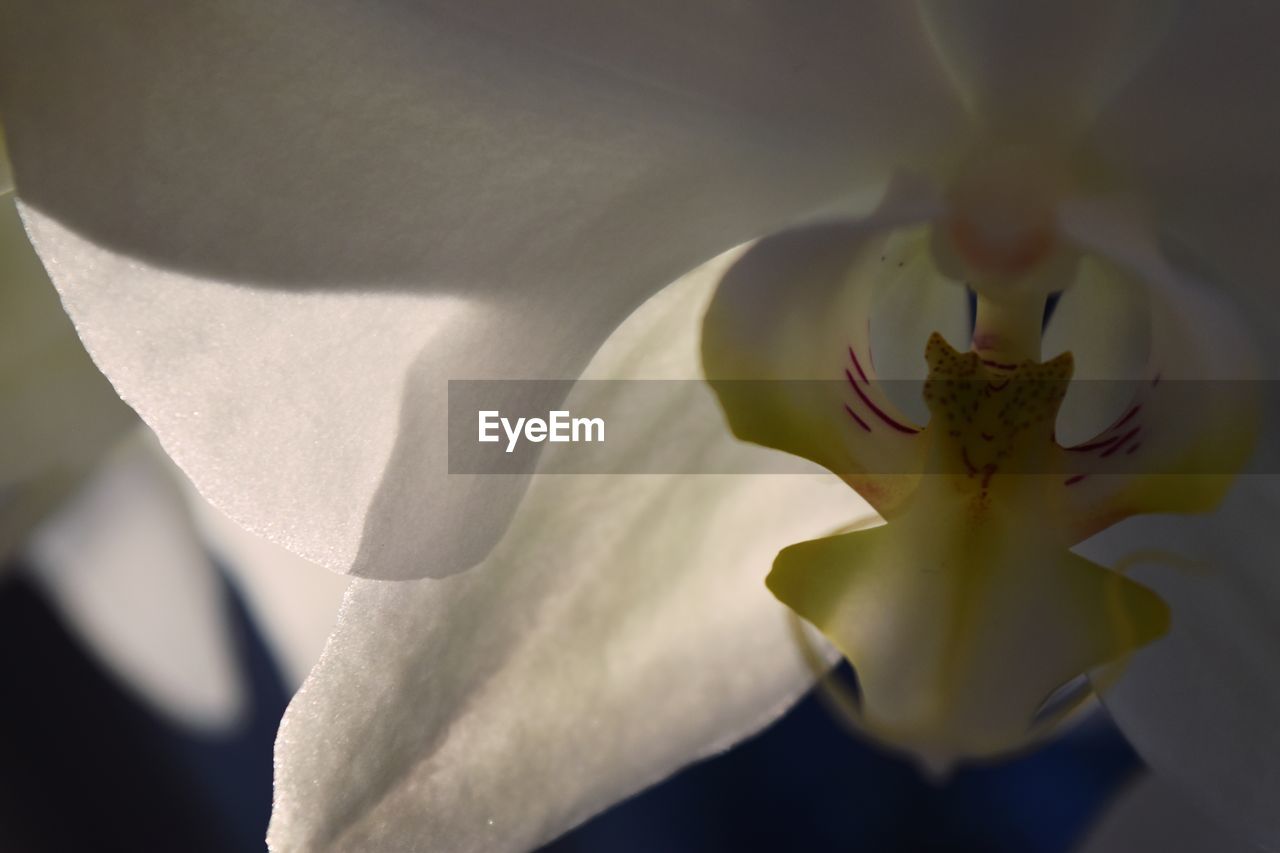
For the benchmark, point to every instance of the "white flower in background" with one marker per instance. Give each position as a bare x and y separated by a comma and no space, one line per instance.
280,228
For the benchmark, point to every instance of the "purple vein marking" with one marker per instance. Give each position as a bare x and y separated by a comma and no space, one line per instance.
854,415
1094,445
857,365
880,413
1127,417
1123,441
1071,481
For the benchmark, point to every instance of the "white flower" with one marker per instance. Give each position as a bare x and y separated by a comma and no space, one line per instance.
279,228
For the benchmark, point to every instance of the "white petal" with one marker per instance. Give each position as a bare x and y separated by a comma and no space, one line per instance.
1192,420
57,412
123,564
1043,69
281,227
1197,135
1102,319
619,630
1153,815
1201,705
294,602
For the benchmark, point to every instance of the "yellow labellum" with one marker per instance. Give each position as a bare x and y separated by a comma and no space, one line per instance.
925,605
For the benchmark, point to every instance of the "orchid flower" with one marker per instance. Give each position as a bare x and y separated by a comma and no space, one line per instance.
967,611
279,228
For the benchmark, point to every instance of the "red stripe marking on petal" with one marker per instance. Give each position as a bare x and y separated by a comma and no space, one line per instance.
854,415
880,413
858,365
1127,417
1094,445
1123,441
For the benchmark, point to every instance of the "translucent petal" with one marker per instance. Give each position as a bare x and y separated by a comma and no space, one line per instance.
1196,135
620,629
1201,705
787,343
294,603
1037,70
280,228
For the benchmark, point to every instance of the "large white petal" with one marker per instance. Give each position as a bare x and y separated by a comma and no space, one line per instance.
293,602
619,630
1201,705
1196,133
280,227
1043,70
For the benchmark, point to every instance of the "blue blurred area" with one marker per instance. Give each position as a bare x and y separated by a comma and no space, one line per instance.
807,784
86,768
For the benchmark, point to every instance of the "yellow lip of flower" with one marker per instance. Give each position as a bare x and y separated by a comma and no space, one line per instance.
972,586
